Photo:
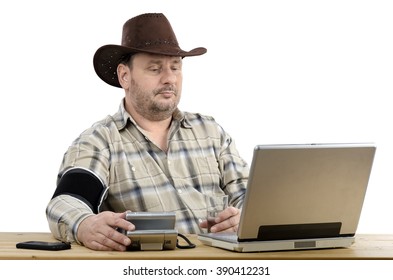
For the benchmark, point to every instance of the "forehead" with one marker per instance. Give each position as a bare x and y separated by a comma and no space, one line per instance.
156,58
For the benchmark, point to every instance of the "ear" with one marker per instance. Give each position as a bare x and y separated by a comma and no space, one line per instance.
123,74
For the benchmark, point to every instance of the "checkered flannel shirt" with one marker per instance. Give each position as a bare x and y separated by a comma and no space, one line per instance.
201,161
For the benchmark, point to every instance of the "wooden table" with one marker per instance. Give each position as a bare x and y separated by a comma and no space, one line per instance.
373,246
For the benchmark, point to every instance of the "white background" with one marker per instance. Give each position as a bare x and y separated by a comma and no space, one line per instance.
275,72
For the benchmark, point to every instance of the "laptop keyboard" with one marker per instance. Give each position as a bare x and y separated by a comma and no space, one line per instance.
231,237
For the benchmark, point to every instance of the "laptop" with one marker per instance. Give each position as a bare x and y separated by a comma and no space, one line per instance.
301,197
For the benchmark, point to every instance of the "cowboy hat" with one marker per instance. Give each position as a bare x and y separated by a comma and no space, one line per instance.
148,33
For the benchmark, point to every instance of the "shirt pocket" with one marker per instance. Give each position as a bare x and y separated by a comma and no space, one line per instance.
132,187
208,175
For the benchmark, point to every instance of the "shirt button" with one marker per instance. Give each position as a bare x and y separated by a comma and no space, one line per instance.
133,168
179,191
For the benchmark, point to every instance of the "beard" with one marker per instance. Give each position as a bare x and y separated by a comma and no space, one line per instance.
151,105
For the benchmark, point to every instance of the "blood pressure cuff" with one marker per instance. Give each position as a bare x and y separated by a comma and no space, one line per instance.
83,185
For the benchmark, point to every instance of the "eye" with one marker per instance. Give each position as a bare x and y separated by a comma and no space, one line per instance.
176,67
154,69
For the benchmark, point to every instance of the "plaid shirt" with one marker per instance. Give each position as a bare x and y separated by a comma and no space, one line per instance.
201,161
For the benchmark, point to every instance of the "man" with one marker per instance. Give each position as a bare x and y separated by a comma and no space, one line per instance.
149,156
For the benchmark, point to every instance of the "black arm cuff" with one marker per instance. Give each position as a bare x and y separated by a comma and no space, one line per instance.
83,185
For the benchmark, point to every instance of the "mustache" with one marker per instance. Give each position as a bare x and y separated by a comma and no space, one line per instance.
167,88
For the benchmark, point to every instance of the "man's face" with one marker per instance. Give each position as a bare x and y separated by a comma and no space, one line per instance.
153,86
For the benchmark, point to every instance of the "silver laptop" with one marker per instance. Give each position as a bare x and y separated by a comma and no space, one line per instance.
301,197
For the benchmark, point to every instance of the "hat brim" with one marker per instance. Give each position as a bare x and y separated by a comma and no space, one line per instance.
107,58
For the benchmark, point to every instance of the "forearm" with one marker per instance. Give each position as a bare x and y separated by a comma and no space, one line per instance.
235,176
64,214
237,194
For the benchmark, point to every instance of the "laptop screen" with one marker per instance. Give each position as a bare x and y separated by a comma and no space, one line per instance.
305,191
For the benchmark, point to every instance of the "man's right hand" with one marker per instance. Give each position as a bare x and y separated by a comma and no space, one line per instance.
99,232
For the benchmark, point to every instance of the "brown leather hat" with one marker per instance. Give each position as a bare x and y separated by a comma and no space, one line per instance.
148,33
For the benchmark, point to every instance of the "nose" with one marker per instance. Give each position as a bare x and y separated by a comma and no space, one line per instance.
169,76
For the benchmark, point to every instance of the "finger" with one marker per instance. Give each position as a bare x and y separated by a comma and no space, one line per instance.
227,214
227,221
113,238
105,235
120,222
229,225
103,243
203,224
